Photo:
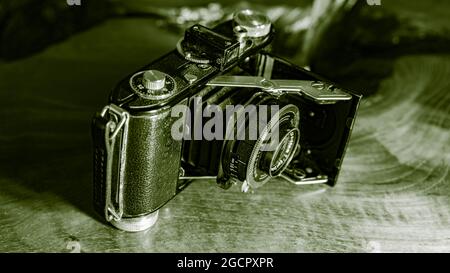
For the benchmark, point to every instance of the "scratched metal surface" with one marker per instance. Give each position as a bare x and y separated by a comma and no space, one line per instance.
393,193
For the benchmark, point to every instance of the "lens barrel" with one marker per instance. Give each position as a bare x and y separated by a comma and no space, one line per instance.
257,160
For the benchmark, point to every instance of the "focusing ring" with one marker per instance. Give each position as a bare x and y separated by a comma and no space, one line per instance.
248,162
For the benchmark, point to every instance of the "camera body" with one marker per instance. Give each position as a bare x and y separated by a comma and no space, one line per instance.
139,164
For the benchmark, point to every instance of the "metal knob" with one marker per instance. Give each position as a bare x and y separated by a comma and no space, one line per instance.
154,79
256,24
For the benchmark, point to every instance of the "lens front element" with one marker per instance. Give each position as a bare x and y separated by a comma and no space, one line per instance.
274,162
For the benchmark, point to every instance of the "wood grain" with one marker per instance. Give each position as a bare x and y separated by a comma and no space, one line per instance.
393,192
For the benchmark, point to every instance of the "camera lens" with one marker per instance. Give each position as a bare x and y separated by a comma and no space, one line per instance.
274,162
256,161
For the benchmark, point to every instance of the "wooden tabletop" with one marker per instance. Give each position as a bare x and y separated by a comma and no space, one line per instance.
393,192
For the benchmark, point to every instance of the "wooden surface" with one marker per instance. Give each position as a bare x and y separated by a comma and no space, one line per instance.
393,192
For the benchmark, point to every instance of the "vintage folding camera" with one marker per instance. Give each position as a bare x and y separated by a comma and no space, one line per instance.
139,165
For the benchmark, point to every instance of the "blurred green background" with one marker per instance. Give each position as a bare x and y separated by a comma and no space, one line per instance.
353,45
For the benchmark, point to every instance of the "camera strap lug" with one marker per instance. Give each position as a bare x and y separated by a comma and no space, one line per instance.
319,92
117,120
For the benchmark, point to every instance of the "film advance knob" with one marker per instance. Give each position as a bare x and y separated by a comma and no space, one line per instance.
154,79
256,24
